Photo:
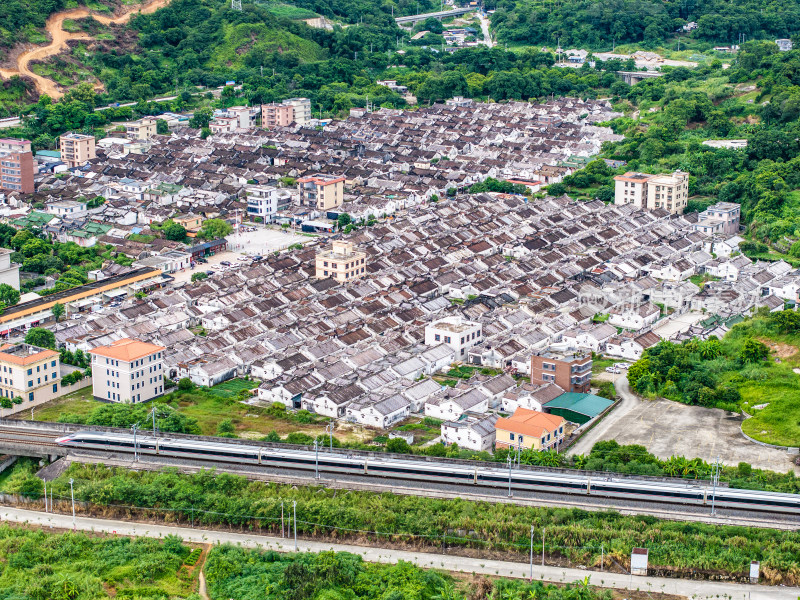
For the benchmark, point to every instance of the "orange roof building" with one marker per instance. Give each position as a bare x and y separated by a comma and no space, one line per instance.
128,370
127,349
30,374
529,430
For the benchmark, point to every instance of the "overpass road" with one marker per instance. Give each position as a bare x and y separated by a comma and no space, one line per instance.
442,14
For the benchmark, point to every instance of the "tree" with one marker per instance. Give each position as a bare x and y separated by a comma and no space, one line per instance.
398,445
185,385
214,229
41,337
225,428
753,351
58,311
162,128
343,220
199,276
173,231
556,189
8,295
5,403
201,118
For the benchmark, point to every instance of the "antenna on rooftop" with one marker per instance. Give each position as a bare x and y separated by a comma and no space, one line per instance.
236,4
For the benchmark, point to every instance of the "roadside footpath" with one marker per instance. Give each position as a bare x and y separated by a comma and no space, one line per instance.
698,590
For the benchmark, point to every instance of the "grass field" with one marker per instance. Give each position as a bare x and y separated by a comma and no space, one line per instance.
210,406
779,421
599,364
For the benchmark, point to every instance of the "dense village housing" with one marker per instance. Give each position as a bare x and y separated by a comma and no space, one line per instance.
352,325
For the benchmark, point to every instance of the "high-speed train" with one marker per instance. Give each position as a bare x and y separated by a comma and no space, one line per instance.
488,476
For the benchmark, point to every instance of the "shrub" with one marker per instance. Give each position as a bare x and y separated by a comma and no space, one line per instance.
185,385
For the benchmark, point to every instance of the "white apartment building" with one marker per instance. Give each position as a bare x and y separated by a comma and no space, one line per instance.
669,192
223,125
262,201
128,371
302,109
245,116
456,332
631,188
9,272
722,218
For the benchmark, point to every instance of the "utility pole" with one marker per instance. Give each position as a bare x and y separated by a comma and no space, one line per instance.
282,533
715,479
45,496
154,419
72,493
509,474
543,531
135,453
316,459
531,553
294,509
329,431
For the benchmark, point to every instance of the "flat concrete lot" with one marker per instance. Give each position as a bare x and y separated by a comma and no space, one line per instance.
668,428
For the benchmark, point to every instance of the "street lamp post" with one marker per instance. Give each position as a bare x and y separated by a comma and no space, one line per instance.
72,493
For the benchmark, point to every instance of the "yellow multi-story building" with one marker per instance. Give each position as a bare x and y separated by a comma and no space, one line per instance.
30,373
529,430
321,191
342,262
77,149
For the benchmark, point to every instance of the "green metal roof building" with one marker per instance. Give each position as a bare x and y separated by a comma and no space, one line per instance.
578,408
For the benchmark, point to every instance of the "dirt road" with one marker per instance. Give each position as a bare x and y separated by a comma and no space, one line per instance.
59,37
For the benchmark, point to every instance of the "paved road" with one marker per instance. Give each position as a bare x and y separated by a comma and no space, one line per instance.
487,36
668,428
697,590
627,402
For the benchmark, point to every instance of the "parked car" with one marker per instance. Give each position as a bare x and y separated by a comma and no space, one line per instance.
257,258
202,260
612,370
225,263
209,273
621,365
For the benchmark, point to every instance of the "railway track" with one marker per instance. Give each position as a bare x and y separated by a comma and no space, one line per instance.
40,438
45,439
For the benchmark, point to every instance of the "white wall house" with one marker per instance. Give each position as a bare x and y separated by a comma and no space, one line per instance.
477,434
382,414
635,318
456,332
262,201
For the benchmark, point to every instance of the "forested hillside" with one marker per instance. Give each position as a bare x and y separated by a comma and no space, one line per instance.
18,15
598,23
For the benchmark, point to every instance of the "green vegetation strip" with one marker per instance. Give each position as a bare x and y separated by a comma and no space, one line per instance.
578,536
232,572
78,566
